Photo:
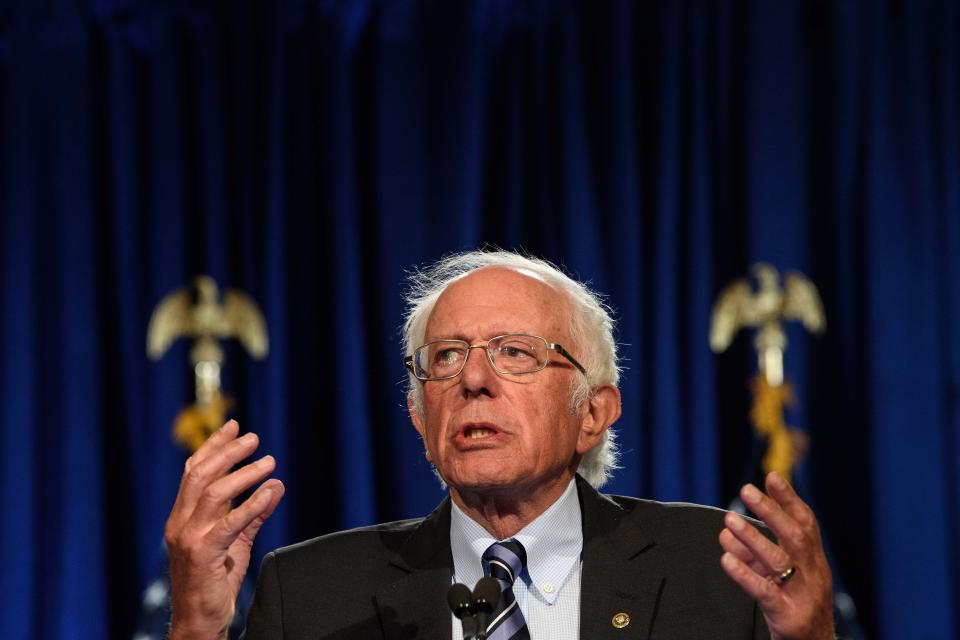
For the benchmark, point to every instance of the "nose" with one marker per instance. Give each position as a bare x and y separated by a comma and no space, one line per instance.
478,377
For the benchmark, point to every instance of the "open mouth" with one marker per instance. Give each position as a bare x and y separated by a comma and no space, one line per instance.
475,433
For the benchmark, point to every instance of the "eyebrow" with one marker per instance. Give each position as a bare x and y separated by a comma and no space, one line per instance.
463,336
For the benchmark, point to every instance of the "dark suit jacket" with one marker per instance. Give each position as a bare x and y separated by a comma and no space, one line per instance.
659,563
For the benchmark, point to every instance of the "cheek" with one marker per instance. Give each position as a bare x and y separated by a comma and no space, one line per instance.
553,429
567,425
435,432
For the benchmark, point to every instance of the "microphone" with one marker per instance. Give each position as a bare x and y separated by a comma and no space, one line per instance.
485,597
460,600
461,603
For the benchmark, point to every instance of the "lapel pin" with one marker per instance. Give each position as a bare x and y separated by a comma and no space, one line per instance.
620,620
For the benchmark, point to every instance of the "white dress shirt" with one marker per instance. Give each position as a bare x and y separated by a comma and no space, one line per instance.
548,590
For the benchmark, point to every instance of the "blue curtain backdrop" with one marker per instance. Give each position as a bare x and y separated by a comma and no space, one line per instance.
310,152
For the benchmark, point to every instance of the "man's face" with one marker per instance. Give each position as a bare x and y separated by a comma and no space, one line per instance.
492,432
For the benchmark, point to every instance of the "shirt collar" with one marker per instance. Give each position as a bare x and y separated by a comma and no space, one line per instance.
553,541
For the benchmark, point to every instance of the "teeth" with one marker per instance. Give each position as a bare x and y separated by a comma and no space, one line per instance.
473,434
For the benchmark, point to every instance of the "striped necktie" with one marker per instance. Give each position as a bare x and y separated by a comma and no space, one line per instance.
504,561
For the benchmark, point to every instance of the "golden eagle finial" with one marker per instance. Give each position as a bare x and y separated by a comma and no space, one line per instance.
196,312
738,306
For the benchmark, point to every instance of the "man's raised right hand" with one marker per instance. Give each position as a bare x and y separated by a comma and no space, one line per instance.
209,541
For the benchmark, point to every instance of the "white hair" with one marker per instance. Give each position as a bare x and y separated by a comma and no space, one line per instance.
591,328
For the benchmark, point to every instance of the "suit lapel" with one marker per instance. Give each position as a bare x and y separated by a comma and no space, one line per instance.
415,605
617,576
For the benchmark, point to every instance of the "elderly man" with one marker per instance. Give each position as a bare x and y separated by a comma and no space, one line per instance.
513,391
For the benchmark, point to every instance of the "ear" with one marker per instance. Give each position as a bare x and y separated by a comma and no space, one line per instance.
417,421
603,409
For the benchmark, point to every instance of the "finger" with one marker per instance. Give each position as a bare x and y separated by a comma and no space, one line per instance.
781,491
730,544
788,531
197,477
225,434
769,555
254,510
767,595
216,497
251,530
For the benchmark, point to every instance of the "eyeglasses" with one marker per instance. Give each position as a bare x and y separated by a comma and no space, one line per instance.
513,353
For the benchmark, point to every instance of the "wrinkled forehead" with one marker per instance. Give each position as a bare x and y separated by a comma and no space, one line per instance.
494,299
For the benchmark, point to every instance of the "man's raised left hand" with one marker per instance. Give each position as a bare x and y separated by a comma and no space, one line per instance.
789,579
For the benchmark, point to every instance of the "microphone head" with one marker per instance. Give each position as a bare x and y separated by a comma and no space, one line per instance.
460,600
486,594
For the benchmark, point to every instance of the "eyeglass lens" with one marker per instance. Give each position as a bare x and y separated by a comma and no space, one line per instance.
515,353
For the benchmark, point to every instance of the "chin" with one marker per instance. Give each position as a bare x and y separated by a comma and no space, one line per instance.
482,480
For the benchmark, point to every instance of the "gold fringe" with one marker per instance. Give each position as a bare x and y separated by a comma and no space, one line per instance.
785,446
196,423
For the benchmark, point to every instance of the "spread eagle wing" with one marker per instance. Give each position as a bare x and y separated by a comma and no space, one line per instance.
731,312
172,318
801,301
242,319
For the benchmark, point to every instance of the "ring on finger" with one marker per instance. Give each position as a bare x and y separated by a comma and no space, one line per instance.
784,576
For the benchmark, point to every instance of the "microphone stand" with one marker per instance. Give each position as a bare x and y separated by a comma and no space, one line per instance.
471,629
